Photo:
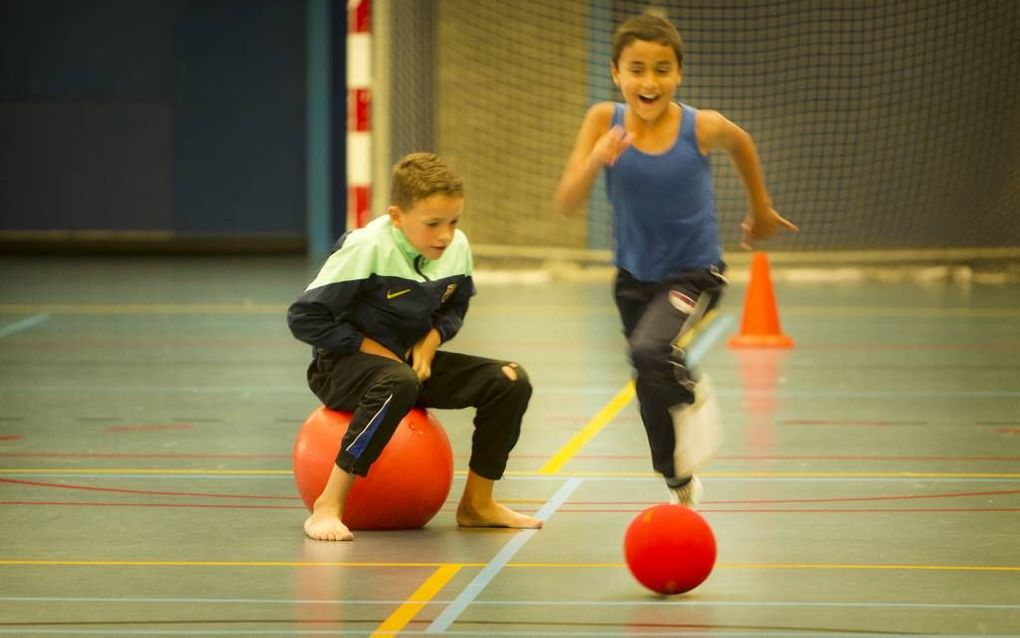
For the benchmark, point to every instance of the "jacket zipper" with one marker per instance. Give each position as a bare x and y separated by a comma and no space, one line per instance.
417,267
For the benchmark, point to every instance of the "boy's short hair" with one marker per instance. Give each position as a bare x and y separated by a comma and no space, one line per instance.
648,27
418,176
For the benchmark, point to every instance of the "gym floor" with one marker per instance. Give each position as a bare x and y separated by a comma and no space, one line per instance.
868,484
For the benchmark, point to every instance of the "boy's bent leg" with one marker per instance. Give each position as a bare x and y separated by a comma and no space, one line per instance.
500,390
376,417
378,392
658,389
665,385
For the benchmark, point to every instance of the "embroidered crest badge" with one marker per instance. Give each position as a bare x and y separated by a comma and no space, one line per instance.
450,289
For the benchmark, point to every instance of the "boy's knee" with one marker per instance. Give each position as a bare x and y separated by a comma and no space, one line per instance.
661,364
649,357
516,377
404,382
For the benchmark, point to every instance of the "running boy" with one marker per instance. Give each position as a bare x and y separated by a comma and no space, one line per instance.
382,304
667,250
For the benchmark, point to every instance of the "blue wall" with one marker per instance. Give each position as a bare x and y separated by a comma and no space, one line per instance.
168,115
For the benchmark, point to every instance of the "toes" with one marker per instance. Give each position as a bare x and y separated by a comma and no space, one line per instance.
327,531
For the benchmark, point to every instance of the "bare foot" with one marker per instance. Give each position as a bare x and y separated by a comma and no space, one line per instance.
326,526
492,514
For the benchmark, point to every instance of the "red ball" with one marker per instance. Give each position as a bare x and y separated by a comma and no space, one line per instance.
670,549
405,487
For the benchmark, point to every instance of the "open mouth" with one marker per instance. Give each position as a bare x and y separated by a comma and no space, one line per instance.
648,98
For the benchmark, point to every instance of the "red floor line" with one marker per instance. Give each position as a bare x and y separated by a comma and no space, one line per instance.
603,457
532,510
1007,345
138,455
123,490
755,457
845,423
844,499
196,505
766,510
833,457
149,428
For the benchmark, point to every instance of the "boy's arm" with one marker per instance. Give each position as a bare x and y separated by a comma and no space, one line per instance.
597,145
316,316
715,131
448,320
313,318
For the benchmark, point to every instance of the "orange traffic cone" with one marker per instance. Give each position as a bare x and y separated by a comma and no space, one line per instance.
760,326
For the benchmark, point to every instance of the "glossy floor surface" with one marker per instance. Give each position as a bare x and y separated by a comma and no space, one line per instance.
869,481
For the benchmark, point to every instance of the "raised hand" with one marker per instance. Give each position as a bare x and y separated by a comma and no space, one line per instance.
609,147
763,225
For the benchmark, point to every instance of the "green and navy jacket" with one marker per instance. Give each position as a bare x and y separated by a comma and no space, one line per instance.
376,285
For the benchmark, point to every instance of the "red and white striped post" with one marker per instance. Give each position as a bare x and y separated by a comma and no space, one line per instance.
359,113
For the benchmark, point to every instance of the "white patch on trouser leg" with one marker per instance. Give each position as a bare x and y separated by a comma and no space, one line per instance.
697,428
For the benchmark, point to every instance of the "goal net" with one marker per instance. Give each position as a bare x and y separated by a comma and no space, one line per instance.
881,124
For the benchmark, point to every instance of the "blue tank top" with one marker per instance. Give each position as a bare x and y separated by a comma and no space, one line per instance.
664,207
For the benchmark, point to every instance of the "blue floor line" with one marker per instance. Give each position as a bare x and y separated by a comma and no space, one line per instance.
23,324
708,337
484,577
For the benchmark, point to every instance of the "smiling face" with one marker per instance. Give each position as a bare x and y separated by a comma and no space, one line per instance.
647,74
429,223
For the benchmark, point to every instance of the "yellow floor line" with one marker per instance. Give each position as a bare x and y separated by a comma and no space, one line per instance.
407,611
968,568
687,337
588,432
953,568
555,464
445,571
982,475
225,563
544,471
976,475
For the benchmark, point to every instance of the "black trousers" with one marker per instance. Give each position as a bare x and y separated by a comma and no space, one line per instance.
380,391
656,315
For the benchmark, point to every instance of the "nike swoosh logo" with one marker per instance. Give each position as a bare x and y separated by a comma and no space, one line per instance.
391,295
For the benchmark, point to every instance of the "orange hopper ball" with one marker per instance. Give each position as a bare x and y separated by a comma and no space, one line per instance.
405,487
670,549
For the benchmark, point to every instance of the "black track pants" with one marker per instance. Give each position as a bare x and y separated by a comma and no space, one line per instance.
656,315
380,391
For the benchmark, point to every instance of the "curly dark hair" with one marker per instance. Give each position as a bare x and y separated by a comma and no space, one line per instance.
648,27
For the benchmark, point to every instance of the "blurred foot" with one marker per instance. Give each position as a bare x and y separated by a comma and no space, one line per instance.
685,492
